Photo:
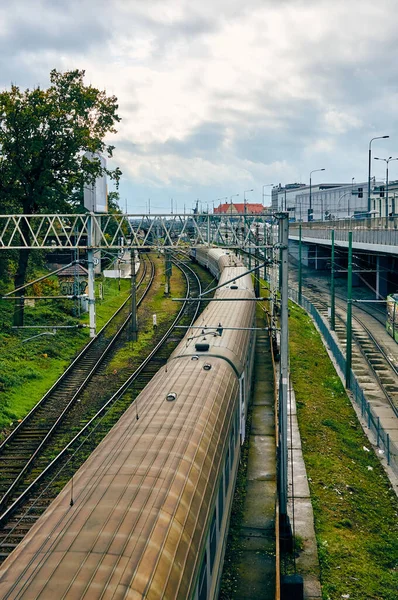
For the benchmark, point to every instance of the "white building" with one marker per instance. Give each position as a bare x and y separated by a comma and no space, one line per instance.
325,201
379,203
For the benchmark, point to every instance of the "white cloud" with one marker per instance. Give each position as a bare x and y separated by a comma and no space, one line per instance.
279,82
341,122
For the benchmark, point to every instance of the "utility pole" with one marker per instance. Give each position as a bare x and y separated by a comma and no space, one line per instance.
285,528
167,272
90,267
134,326
332,293
257,258
300,272
349,315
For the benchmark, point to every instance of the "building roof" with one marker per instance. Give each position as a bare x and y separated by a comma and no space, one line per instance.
71,271
249,208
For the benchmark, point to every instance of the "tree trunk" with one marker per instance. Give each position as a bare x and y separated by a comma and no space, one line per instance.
20,277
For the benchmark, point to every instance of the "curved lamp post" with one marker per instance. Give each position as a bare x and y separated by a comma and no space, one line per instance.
310,209
233,196
244,199
349,193
264,186
219,200
386,160
380,137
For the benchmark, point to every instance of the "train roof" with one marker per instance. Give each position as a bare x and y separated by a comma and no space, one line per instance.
141,500
211,334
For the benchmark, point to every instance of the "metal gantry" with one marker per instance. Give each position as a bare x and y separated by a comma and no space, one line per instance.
93,232
112,231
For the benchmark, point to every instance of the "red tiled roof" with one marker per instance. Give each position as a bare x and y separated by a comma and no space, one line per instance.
240,208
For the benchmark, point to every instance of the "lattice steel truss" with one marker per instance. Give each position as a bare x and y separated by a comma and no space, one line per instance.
103,231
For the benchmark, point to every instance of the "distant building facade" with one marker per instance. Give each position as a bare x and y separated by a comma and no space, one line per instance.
324,201
239,209
380,204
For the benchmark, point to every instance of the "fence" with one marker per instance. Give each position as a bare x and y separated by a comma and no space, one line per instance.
373,422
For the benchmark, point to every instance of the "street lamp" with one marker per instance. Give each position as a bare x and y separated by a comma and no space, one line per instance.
233,196
219,200
310,209
266,185
386,160
349,193
380,137
244,199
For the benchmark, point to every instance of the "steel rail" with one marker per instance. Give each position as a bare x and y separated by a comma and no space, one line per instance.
378,347
67,371
71,403
114,398
368,331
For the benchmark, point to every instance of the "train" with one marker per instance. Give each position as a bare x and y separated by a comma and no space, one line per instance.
152,503
392,316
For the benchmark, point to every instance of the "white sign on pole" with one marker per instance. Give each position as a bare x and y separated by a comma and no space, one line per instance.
96,195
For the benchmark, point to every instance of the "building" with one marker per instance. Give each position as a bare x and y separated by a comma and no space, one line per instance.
239,209
324,201
382,207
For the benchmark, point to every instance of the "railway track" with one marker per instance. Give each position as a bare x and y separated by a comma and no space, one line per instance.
71,444
366,346
22,446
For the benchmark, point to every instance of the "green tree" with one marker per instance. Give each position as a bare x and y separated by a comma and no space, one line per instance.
44,134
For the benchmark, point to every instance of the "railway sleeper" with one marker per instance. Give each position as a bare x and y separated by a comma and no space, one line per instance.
11,536
15,528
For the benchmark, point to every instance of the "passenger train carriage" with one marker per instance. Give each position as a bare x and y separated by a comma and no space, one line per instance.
152,503
392,316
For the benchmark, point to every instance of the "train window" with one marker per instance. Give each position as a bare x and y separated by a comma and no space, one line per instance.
202,595
213,540
232,446
220,501
226,470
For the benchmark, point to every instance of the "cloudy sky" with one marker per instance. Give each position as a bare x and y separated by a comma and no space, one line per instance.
222,96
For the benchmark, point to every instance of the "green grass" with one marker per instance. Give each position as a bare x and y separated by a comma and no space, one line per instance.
158,304
355,508
112,299
28,369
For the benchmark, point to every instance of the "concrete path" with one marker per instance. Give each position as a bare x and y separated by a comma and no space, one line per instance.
256,569
300,508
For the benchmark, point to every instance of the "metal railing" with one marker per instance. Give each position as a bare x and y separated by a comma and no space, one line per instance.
373,422
374,223
372,231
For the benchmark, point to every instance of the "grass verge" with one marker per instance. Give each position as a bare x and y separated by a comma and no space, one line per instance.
355,508
29,368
